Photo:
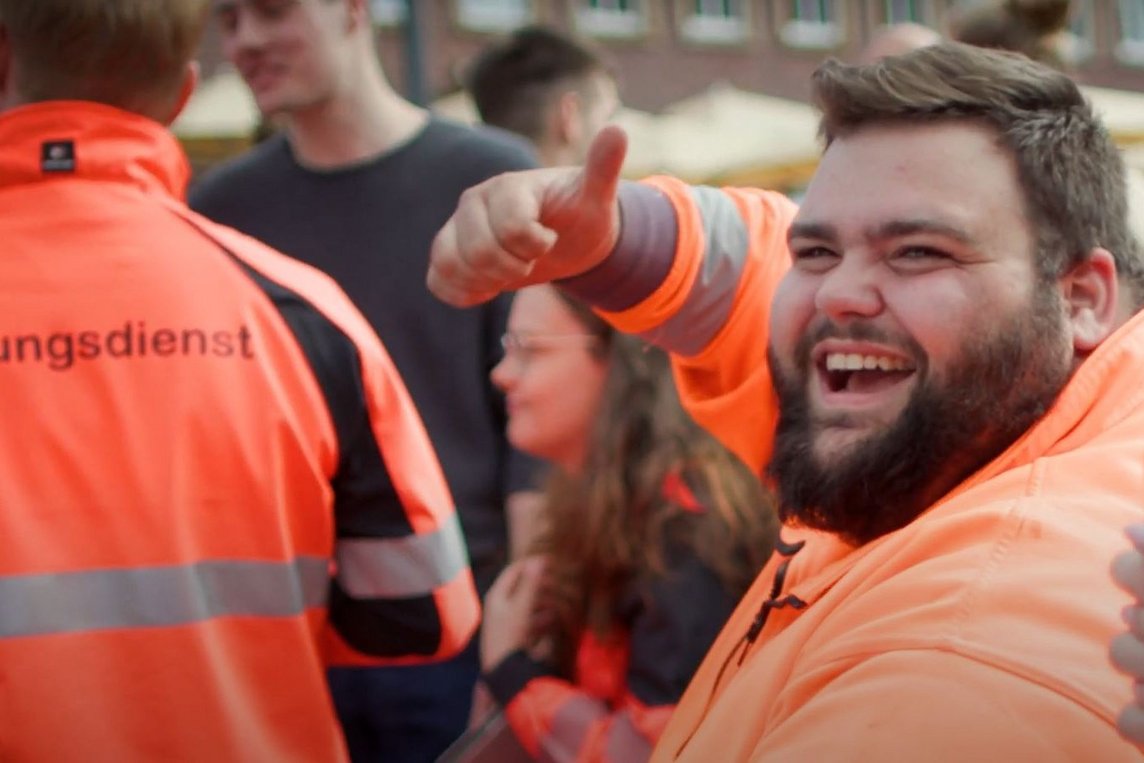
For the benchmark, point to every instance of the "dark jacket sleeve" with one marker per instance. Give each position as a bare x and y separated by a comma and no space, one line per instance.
402,588
673,619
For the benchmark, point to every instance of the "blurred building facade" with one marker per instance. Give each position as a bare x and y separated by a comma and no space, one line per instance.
666,50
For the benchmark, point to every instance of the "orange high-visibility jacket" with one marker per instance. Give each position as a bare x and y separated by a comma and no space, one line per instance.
196,431
977,632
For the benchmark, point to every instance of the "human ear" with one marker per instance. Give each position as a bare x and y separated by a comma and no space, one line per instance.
186,90
569,125
359,14
1091,293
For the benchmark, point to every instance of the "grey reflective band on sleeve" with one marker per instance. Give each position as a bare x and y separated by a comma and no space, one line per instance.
709,303
398,568
624,741
148,597
570,725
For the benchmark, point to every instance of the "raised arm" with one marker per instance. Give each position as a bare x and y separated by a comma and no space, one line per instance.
690,269
529,227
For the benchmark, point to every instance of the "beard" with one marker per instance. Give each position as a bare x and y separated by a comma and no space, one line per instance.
995,389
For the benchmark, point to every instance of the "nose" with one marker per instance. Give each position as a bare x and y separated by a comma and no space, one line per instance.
249,32
850,290
505,373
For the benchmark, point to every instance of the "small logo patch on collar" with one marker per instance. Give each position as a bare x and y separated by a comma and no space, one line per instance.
57,156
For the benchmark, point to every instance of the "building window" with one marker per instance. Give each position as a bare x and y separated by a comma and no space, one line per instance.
714,21
612,18
1079,43
389,12
902,11
493,15
813,24
1131,46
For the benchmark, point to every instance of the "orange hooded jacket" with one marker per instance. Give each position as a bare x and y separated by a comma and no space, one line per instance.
977,632
196,429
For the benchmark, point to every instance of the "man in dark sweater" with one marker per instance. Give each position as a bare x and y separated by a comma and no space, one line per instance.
357,184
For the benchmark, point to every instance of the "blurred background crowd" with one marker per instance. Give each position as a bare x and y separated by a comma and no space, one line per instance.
692,74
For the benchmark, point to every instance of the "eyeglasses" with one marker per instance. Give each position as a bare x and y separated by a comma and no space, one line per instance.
525,347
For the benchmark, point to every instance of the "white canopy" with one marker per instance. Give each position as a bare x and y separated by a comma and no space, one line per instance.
721,135
221,107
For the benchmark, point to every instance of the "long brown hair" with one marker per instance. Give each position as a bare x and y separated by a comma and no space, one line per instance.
612,523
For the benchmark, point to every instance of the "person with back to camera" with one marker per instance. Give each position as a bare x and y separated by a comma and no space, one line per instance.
936,359
653,532
356,183
196,430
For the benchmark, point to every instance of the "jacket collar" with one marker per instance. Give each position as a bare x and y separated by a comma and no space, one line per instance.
104,143
1104,391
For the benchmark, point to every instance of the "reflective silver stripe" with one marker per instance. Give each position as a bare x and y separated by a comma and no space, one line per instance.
625,742
141,597
565,738
709,302
398,568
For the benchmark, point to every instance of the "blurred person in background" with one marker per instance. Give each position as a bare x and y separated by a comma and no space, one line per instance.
356,183
1035,28
653,532
196,427
896,39
552,89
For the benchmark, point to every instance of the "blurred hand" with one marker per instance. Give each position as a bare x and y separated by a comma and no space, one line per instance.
529,227
509,605
1128,649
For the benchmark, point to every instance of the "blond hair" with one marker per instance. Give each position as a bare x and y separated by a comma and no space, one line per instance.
131,54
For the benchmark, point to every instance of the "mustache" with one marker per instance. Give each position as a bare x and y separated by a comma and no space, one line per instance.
858,331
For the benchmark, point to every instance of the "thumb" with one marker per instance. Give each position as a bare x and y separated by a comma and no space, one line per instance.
605,161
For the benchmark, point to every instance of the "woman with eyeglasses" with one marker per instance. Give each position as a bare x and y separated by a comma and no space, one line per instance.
652,533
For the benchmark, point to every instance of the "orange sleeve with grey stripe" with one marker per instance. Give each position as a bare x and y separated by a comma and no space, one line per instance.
402,589
553,720
712,308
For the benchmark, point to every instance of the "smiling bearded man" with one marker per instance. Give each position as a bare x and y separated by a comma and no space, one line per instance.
942,341
1005,377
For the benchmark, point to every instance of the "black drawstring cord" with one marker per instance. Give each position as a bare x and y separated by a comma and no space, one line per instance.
773,602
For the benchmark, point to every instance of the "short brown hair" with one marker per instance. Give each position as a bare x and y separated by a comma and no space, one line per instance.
514,81
1070,172
125,53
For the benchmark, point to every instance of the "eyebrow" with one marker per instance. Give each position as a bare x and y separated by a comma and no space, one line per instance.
820,231
891,229
896,228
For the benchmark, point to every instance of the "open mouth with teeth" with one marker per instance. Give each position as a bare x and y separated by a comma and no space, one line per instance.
852,372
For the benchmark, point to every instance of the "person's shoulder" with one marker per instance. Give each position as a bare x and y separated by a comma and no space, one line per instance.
481,145
237,175
279,274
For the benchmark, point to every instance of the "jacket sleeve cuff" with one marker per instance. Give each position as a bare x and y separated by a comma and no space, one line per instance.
641,258
512,674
